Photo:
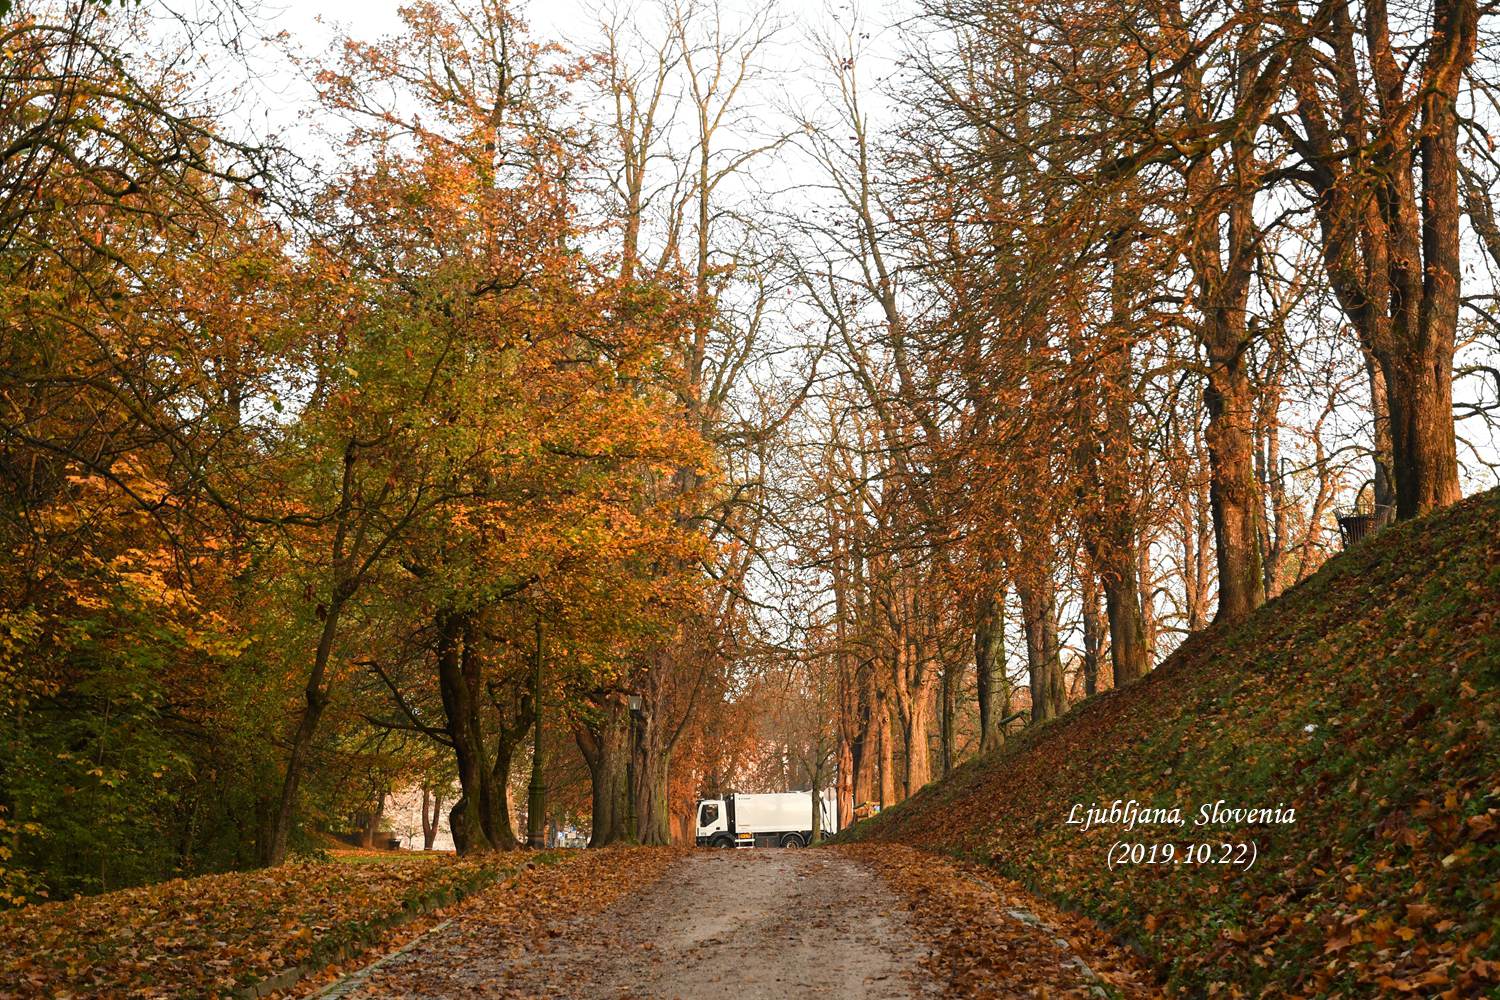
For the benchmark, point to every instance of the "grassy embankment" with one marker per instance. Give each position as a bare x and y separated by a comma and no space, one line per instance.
1365,699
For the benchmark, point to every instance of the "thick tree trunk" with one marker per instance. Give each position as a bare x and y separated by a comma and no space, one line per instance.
1128,651
989,668
1049,697
605,744
460,821
653,808
914,681
1423,445
1232,493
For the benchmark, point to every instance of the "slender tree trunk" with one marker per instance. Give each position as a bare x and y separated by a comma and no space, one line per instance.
430,826
1093,634
914,728
315,701
473,816
1148,602
1224,247
952,683
866,748
887,763
536,798
1117,536
1382,481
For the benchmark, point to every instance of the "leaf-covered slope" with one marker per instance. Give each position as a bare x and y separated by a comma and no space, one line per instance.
1365,699
213,935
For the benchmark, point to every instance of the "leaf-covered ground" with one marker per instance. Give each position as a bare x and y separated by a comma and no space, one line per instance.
990,939
1365,699
210,936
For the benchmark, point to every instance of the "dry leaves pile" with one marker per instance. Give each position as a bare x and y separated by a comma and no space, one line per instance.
210,936
992,940
1367,699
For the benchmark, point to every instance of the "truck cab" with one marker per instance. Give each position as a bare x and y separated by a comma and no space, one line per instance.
713,824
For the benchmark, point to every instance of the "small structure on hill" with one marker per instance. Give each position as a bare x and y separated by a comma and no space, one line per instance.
1358,522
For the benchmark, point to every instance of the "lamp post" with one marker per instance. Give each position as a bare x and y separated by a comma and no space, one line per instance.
536,799
632,830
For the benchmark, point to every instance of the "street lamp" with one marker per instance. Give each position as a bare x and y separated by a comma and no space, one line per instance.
536,800
633,702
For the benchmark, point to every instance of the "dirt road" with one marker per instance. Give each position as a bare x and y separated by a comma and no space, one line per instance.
703,925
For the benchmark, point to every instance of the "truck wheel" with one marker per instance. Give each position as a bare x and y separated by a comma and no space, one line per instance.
792,840
721,841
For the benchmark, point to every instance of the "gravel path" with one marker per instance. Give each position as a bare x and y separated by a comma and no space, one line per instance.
743,924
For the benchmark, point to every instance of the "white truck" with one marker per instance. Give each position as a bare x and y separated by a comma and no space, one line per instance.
780,819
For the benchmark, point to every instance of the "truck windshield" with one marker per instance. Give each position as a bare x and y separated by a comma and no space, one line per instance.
710,814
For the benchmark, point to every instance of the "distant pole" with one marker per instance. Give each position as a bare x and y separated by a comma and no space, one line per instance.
536,801
633,702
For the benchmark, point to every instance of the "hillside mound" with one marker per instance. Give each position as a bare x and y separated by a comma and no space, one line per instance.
1356,716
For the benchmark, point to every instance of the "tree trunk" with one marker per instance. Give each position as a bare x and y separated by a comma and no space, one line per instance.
989,668
1117,535
1128,651
914,729
887,762
1383,485
605,743
315,701
1223,247
950,685
1092,634
1049,698
865,748
1423,443
536,797
473,815
1232,494
501,828
430,826
653,806
914,681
